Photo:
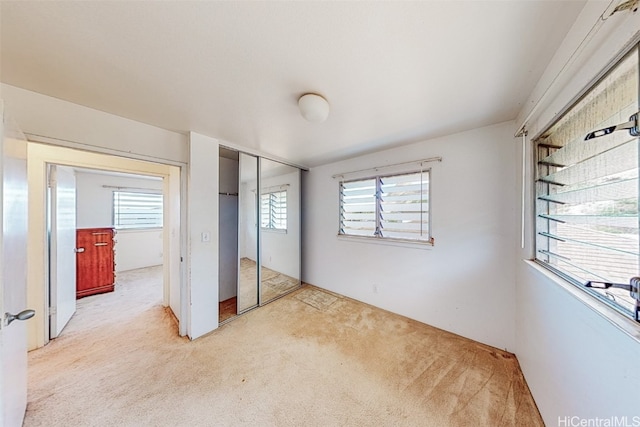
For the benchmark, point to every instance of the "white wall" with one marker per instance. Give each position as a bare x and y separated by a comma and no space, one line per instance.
203,219
46,119
465,283
133,248
95,202
138,249
576,361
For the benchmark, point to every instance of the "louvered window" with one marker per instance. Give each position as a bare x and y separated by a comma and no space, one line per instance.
587,192
273,210
394,207
137,210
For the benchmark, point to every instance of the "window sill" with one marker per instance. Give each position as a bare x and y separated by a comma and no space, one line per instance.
137,230
273,230
625,324
387,242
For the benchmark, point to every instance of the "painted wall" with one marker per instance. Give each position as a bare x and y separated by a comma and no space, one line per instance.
463,284
46,119
133,248
576,361
203,234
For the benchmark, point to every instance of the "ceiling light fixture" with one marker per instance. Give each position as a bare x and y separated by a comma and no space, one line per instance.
313,107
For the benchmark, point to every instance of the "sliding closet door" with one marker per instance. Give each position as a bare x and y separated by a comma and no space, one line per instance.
279,229
247,233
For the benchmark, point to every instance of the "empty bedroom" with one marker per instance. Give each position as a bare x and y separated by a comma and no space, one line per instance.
395,213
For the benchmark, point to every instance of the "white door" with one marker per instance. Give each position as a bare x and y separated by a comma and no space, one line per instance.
13,276
62,283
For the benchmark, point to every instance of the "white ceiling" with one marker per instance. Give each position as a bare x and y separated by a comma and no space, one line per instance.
393,72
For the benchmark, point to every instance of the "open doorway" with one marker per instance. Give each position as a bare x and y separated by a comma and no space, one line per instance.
39,157
105,246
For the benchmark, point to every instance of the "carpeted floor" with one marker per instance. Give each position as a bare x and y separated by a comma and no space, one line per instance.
308,359
274,284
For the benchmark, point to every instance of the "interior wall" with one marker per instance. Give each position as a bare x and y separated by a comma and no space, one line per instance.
133,248
576,361
463,284
51,120
203,242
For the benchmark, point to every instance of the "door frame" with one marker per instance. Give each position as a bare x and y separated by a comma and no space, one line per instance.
39,156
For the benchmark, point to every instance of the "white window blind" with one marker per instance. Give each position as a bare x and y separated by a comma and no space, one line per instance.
273,210
388,207
137,210
587,191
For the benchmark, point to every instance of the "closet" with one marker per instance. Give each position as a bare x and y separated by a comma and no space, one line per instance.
259,228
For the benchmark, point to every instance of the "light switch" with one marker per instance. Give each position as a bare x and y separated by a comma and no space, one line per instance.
206,237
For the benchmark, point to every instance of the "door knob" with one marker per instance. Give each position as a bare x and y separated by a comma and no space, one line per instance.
78,250
23,315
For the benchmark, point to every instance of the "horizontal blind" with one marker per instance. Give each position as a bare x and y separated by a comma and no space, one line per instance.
137,210
358,207
587,191
388,207
404,206
273,210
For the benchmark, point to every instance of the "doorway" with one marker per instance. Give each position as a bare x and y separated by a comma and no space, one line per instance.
39,156
105,237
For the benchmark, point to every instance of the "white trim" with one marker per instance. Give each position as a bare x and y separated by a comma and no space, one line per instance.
418,244
617,319
39,155
59,142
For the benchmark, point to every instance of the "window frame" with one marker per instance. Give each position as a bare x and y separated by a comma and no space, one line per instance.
115,217
591,294
286,210
383,239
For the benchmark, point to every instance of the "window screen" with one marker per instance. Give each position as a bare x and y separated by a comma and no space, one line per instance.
587,191
388,207
137,210
273,210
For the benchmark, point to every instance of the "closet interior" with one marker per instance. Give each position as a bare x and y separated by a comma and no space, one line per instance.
259,231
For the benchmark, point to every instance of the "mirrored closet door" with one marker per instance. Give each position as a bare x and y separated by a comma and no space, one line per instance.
247,233
259,232
279,229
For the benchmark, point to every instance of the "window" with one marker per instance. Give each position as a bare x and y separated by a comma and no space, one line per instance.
587,192
137,210
394,207
273,210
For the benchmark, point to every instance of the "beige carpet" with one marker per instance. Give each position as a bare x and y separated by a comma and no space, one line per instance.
274,284
285,364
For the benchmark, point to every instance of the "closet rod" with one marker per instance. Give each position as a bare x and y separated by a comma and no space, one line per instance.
419,162
228,194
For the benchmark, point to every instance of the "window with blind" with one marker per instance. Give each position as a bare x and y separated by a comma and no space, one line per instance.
137,210
273,210
393,207
587,192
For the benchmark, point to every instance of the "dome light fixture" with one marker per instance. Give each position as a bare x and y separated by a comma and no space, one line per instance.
313,107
